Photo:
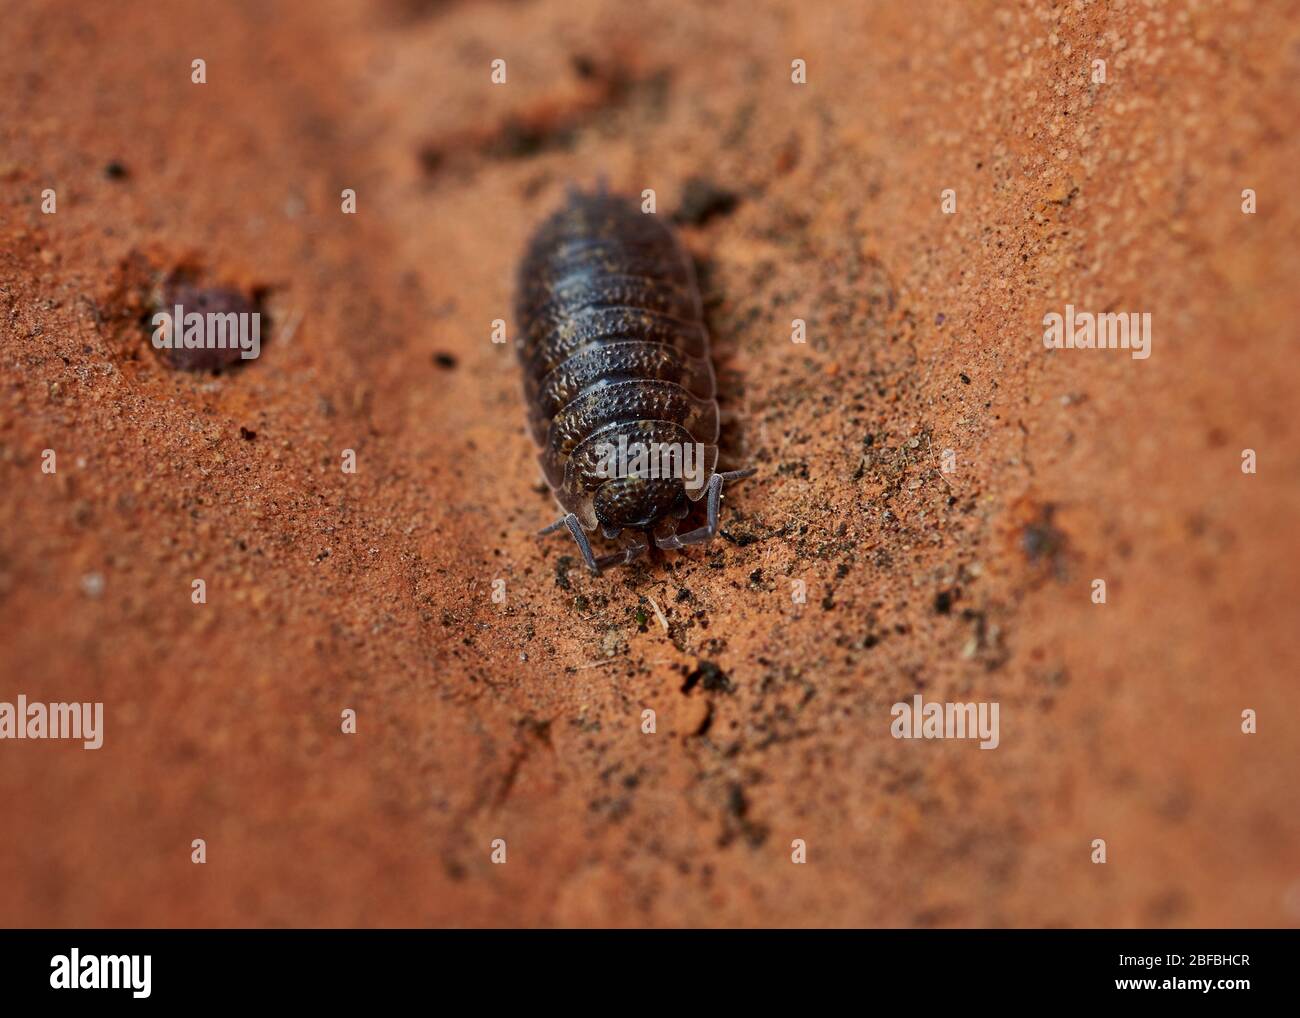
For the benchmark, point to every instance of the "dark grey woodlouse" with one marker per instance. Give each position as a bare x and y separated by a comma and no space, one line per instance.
615,355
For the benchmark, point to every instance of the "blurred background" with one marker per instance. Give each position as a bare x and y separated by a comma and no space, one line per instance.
372,591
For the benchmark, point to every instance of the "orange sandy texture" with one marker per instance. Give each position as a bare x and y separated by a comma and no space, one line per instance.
521,720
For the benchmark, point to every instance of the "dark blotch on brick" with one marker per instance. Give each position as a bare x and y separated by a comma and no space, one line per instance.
524,139
1041,539
562,566
194,297
116,171
444,360
710,678
430,159
703,200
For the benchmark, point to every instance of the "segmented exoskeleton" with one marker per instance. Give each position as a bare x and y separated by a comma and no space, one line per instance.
615,357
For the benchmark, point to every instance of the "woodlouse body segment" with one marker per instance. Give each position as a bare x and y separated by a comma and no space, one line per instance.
617,377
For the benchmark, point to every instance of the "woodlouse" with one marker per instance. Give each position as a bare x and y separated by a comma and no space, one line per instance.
615,356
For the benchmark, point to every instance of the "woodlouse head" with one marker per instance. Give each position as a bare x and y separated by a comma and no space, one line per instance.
637,502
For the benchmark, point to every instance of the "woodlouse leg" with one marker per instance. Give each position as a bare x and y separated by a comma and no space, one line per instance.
632,548
705,533
584,546
553,527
